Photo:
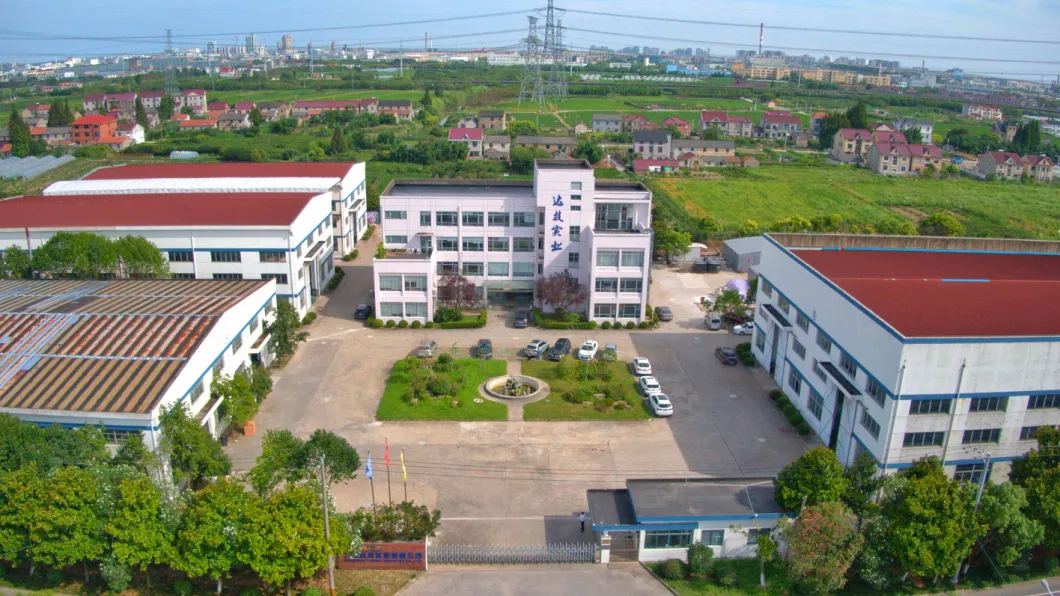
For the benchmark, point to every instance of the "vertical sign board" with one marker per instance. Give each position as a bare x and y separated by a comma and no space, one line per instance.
386,555
558,224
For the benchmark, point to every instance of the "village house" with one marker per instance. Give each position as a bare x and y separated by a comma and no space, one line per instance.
1006,130
815,123
635,122
644,166
580,129
902,159
711,153
35,111
233,121
150,99
370,105
400,108
982,112
204,124
52,134
652,144
777,125
888,136
92,128
244,107
471,137
191,98
551,145
851,144
607,123
927,129
1003,164
131,130
1038,167
497,147
217,107
274,110
733,126
493,120
678,124
467,122
305,109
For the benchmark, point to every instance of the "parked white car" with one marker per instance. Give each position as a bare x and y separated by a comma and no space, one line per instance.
641,366
744,329
713,322
660,405
649,386
588,350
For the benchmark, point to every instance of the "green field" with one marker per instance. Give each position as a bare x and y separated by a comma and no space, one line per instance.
309,94
768,194
468,374
611,378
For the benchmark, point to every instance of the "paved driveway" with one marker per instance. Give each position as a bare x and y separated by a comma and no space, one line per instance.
579,580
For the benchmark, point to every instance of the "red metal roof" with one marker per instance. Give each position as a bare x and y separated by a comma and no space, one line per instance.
153,210
781,118
921,294
707,116
151,94
460,134
94,119
337,169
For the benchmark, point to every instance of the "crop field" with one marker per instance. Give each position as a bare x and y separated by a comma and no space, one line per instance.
308,94
768,194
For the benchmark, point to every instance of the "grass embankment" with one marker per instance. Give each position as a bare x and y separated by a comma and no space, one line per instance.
768,194
465,377
569,379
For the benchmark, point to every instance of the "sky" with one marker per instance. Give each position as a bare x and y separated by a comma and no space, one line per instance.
196,21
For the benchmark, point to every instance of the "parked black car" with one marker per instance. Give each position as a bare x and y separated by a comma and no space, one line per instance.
484,349
560,349
522,319
364,311
726,355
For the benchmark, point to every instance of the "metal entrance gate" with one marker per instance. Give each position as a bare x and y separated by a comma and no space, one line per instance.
624,546
461,554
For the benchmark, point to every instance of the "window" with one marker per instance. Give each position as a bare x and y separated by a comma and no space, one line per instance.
870,424
576,198
760,340
969,473
607,258
195,392
497,269
391,309
425,219
607,284
932,439
181,256
817,370
389,283
1042,402
815,404
226,256
802,321
576,207
280,278
415,283
667,538
396,239
448,243
875,390
498,219
983,435
767,288
575,234
522,219
448,267
798,348
473,218
754,533
522,244
472,268
631,285
498,244
1029,433
445,218
575,185
183,276
607,311
522,269
629,311
415,309
988,404
929,406
784,304
824,342
473,243
237,343
633,258
228,276
847,364
116,438
613,216
573,259
712,537
218,367
394,215
272,256
795,382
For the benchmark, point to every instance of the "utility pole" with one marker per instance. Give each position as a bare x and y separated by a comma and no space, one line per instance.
978,499
327,526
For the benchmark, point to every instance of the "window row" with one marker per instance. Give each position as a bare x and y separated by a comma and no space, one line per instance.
498,219
632,285
491,244
654,539
612,258
393,283
227,256
402,309
476,269
616,311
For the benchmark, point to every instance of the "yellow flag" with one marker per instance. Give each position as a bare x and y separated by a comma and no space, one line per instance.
404,476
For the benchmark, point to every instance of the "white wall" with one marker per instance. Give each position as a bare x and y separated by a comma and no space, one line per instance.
734,543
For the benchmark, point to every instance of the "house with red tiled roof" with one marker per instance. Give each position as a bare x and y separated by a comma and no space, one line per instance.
1038,167
749,161
92,128
370,105
179,117
902,159
815,123
777,125
679,124
36,110
471,137
219,107
198,124
191,98
151,99
888,136
850,145
1002,164
634,122
306,108
5,149
643,166
880,127
244,107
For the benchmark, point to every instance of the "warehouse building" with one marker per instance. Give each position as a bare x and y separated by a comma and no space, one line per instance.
283,237
117,353
504,235
343,181
905,347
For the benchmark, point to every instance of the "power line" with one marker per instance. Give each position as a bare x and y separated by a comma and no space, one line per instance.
812,29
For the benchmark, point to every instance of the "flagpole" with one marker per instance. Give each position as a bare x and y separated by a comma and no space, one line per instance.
389,493
404,476
370,475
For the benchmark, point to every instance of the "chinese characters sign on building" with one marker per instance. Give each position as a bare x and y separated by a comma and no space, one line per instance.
557,220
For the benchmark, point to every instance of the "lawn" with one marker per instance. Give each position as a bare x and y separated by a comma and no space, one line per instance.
566,378
746,570
288,95
466,375
768,194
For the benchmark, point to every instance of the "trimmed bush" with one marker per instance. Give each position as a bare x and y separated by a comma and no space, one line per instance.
390,324
673,570
700,559
403,324
642,325
783,401
416,325
776,394
743,348
447,315
605,325
789,410
802,428
429,325
632,325
466,323
376,324
747,359
312,592
309,318
727,577
561,321
592,324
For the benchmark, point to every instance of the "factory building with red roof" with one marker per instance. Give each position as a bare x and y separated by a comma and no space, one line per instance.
905,347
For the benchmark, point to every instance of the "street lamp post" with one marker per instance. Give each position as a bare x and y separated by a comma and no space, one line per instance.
1045,584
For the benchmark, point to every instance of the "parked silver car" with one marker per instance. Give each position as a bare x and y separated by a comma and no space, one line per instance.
427,349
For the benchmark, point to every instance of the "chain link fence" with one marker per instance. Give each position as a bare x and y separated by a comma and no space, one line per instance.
545,554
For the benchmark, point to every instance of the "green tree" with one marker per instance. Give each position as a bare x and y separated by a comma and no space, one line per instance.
21,492
940,224
730,303
1010,533
765,552
141,114
284,330
19,134
705,226
523,158
15,263
817,476
750,228
1028,138
862,482
141,531
138,257
237,398
700,559
338,142
135,454
858,115
913,135
67,527
930,522
212,537
830,125
588,151
341,460
48,448
713,133
673,242
58,114
822,544
165,109
283,459
256,118
1038,473
80,255
260,382
193,454
426,100
522,127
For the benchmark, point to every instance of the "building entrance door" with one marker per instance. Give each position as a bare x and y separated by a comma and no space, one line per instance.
773,350
624,546
837,419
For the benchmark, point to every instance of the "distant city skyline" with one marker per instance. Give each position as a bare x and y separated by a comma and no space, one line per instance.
199,21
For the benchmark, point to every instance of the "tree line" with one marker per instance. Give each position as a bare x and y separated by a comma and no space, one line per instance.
86,256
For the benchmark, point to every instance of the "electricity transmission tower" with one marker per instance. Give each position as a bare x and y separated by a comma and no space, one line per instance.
171,76
557,82
532,88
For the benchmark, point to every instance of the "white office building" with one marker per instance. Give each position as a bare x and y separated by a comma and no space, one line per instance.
344,182
283,237
906,347
504,235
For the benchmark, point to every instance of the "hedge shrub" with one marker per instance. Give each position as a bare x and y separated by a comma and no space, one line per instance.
375,323
802,428
466,322
605,325
429,324
416,325
631,325
673,569
570,320
390,324
309,318
776,394
743,348
403,324
783,401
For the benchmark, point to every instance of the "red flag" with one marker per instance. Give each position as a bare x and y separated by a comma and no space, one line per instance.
386,454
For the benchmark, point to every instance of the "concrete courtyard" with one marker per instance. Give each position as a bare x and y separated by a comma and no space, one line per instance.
516,482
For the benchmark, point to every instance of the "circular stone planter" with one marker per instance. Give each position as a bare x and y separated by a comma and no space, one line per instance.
492,388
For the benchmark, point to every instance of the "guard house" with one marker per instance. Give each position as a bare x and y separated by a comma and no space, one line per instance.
655,520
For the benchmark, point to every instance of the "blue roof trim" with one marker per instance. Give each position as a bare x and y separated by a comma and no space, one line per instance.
642,527
697,518
923,396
